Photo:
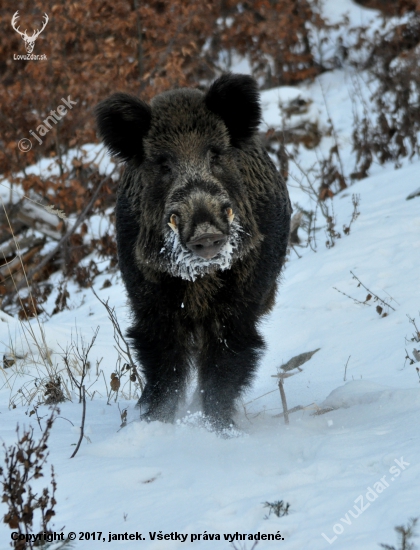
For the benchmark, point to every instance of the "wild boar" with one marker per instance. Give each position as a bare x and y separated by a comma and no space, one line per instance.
202,220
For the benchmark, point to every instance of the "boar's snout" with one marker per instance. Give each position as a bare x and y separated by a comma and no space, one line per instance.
207,245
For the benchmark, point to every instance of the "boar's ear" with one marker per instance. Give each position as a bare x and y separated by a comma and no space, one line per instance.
235,98
123,121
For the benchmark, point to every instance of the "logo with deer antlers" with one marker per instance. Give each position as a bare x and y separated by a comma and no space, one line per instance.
29,40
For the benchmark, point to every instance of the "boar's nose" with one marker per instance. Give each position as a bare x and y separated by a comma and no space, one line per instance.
207,245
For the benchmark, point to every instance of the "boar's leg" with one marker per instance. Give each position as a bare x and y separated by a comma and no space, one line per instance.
227,364
164,361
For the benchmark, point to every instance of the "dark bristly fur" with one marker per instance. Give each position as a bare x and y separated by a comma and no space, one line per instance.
196,156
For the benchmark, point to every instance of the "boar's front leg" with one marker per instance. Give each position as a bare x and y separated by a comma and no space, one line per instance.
227,363
161,350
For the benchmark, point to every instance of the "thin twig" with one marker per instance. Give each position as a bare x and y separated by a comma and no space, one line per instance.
29,327
108,393
64,418
333,130
351,297
355,199
259,397
117,335
416,336
370,292
82,427
283,401
345,369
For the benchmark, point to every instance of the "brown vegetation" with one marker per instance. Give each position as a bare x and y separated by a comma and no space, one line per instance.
94,49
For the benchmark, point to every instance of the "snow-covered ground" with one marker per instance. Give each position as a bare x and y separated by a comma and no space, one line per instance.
181,478
350,474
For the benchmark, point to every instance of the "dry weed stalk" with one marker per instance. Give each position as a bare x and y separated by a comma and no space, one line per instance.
406,533
388,130
24,463
80,352
355,199
76,358
48,375
46,382
370,296
82,425
122,347
416,352
376,298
